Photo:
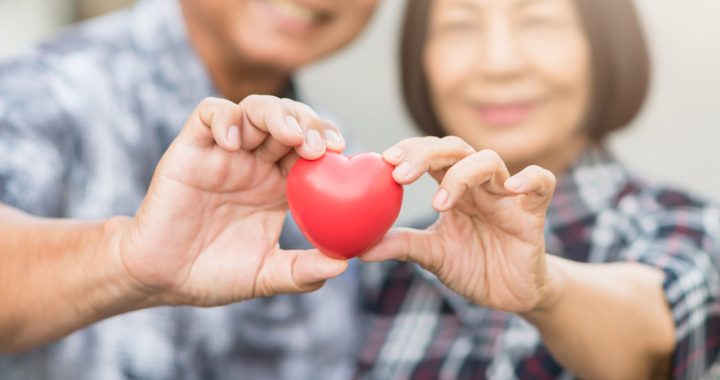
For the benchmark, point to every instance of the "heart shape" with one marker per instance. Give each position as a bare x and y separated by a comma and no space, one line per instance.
344,205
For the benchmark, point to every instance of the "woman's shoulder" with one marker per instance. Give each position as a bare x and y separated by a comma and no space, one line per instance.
609,188
667,210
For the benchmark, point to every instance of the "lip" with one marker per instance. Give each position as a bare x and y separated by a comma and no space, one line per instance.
505,114
292,23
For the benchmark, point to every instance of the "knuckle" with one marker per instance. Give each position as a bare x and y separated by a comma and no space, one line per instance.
454,173
490,157
252,98
429,139
410,142
298,106
453,140
551,177
256,100
457,141
208,102
289,103
536,170
307,109
330,125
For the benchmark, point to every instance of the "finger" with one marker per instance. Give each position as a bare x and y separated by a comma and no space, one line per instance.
484,168
404,244
536,183
273,150
396,153
267,114
288,162
320,134
296,272
430,155
214,121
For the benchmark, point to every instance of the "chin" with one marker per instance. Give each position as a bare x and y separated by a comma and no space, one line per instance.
277,53
276,59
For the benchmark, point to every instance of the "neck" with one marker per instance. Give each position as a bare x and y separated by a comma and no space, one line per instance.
233,76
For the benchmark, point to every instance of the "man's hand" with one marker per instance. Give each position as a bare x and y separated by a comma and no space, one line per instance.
207,232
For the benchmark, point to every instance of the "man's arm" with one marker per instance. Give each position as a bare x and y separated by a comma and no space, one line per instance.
206,233
57,276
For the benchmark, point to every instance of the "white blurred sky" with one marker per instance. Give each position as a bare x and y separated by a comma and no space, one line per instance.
676,140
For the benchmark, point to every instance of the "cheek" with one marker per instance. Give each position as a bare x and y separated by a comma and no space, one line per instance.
347,26
565,68
451,72
448,67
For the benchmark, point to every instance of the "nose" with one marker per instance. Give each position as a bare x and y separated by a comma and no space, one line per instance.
502,54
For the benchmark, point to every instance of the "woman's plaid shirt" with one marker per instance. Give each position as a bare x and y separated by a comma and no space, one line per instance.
421,330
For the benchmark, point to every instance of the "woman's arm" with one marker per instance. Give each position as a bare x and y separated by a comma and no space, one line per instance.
606,321
206,233
600,321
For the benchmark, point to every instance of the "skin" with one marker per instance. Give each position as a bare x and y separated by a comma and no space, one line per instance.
511,79
206,234
251,48
518,81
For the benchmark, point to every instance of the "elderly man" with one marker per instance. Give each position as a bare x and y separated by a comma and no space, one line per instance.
85,119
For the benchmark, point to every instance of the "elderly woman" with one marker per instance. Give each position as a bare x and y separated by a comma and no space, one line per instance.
599,274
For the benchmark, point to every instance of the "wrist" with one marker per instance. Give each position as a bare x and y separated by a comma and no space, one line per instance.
552,290
126,292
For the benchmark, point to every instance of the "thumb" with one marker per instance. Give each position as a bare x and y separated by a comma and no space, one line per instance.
406,244
296,272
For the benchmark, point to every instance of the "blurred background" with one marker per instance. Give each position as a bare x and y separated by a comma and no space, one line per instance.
676,140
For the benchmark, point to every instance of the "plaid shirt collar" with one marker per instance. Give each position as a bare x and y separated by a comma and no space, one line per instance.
587,187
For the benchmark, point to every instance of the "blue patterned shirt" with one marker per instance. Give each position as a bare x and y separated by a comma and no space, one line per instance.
84,119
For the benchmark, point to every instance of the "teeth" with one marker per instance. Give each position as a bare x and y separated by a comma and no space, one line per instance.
292,9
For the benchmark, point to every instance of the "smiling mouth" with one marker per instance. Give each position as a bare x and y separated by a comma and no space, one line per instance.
505,115
297,13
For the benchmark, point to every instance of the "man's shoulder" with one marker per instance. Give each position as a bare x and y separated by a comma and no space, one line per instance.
80,63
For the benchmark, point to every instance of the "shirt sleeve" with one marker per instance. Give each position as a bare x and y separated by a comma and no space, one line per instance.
36,146
684,244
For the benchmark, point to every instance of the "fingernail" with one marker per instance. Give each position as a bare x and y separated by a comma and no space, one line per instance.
513,183
403,170
294,125
233,137
330,268
394,153
441,198
314,140
333,137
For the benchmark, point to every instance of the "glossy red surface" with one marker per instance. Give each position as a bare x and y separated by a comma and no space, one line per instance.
344,205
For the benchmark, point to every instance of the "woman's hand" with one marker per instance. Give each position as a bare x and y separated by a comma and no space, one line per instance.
207,232
488,244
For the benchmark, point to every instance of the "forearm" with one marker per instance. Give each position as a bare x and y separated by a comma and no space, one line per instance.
607,321
57,277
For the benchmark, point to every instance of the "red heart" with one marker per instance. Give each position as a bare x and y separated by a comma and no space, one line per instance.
344,206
